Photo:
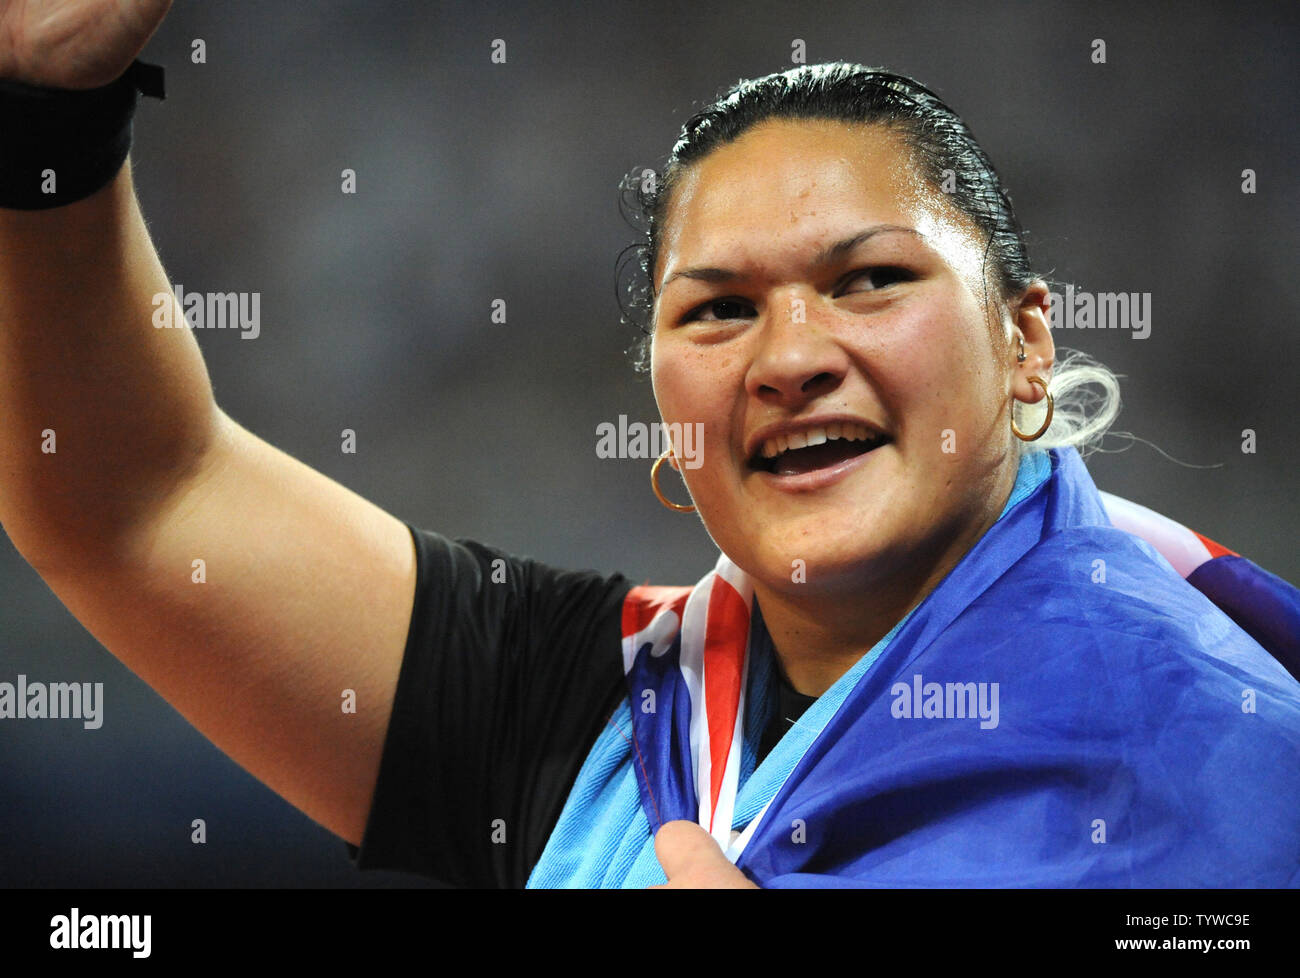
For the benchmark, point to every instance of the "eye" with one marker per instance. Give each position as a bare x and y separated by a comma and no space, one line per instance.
879,277
716,310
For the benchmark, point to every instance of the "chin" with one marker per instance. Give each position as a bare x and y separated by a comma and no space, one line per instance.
836,561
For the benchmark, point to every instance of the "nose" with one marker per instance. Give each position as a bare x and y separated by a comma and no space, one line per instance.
798,358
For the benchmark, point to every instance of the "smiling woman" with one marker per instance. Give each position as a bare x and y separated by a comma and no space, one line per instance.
927,655
886,329
834,244
835,287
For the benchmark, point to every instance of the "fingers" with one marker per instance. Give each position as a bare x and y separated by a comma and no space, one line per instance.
683,847
692,859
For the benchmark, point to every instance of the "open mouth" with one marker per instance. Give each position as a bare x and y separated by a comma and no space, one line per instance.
815,448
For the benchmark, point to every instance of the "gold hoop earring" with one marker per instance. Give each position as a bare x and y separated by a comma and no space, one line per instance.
1051,406
654,484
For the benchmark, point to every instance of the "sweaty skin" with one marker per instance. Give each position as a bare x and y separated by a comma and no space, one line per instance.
892,332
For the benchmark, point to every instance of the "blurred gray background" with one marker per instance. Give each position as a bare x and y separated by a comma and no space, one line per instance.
480,181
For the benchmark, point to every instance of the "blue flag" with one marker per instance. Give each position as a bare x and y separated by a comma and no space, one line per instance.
1064,709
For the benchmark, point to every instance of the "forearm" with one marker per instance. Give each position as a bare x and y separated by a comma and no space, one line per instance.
102,415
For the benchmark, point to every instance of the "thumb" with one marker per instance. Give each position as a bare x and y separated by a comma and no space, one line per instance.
681,846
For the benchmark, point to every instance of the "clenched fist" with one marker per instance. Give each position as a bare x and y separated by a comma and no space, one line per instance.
74,43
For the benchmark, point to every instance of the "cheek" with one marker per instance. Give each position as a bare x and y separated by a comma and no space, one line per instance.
692,384
954,324
909,363
695,386
934,367
670,378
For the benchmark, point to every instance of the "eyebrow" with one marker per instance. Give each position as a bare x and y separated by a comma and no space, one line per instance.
824,257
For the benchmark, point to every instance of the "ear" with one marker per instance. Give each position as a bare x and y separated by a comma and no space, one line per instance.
1031,322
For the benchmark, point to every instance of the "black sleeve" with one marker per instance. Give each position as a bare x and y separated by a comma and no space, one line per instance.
510,671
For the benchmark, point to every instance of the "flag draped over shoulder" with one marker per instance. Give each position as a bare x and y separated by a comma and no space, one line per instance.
1264,605
1073,705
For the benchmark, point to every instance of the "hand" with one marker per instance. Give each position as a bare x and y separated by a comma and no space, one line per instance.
74,43
692,860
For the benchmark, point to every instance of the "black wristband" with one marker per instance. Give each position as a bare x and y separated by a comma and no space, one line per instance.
58,145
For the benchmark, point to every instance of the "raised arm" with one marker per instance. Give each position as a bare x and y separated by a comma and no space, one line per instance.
118,472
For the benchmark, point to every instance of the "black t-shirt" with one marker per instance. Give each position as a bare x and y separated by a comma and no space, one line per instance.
790,706
511,670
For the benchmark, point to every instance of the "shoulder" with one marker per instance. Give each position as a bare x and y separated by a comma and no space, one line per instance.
1139,700
1094,602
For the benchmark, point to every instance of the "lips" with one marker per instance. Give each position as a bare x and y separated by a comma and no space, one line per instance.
813,447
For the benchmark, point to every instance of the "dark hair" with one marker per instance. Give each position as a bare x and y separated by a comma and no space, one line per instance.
944,149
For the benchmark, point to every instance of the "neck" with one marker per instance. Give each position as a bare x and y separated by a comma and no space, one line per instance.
819,635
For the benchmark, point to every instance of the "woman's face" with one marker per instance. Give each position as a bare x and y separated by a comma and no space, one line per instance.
811,287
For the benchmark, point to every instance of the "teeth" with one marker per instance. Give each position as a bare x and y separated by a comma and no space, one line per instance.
849,430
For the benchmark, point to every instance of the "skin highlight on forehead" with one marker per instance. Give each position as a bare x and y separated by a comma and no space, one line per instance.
768,185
